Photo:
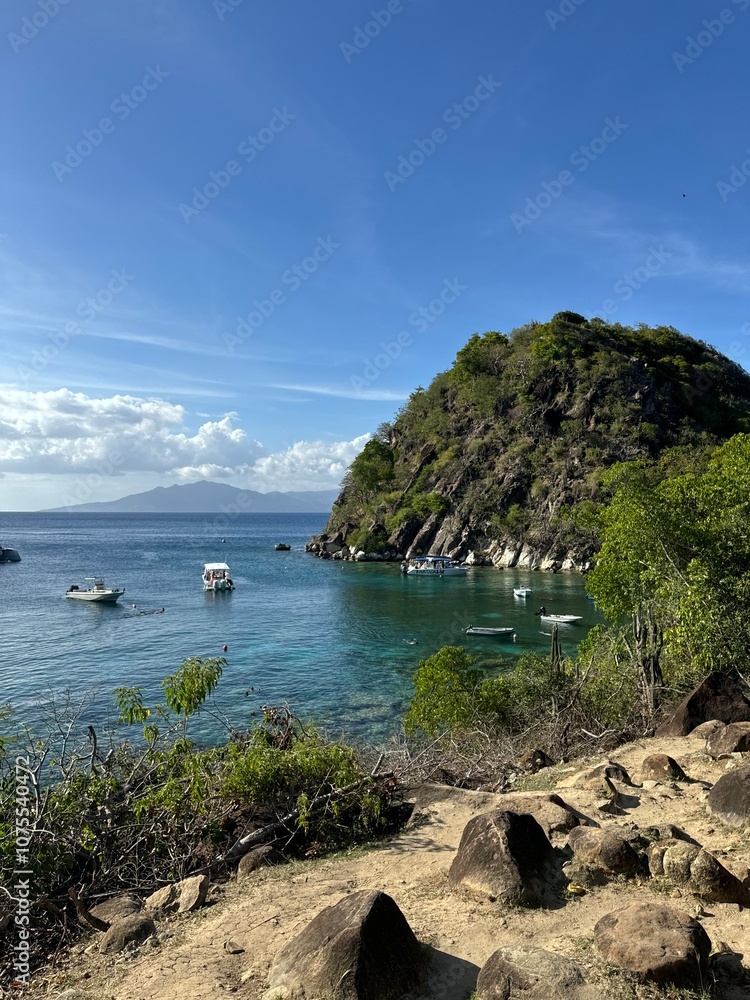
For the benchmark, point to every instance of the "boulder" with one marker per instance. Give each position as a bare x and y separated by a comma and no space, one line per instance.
259,857
656,943
550,811
127,930
605,849
661,767
116,907
164,900
506,856
705,729
193,892
180,897
690,867
716,697
360,949
734,738
592,776
532,974
729,799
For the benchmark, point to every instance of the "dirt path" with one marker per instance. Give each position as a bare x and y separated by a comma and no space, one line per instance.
193,959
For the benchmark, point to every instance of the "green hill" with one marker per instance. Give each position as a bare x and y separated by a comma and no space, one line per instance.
483,463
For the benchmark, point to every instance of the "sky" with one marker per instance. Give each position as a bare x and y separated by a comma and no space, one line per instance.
235,235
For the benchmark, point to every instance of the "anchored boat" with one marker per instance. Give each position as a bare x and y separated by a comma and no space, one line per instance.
216,577
97,592
433,566
498,633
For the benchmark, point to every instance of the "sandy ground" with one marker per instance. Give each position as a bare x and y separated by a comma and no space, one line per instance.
193,958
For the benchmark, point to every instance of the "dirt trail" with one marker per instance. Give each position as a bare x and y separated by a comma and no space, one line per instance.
261,912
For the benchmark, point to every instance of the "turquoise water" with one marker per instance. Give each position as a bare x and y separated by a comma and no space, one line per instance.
338,642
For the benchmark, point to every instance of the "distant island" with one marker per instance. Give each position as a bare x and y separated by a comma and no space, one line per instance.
208,498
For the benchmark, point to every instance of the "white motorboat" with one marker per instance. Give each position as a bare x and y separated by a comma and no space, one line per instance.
433,566
562,619
522,591
498,633
216,576
97,592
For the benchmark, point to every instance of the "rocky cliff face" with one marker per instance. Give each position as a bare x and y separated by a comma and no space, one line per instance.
488,462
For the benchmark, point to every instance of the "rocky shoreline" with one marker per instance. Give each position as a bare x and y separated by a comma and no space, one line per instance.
500,554
596,878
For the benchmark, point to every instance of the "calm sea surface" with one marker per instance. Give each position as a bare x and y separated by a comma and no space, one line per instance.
338,641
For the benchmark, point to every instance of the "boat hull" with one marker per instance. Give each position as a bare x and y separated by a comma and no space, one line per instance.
562,619
9,555
497,633
105,597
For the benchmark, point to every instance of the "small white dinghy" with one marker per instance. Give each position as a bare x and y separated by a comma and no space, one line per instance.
498,633
562,619
97,592
522,591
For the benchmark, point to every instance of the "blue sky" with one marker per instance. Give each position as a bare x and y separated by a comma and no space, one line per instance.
215,214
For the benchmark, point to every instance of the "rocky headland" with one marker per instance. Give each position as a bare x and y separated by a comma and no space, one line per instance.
490,461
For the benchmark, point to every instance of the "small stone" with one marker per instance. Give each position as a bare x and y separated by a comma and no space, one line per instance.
127,930
233,948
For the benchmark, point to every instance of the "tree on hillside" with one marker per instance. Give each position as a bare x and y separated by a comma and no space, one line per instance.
675,559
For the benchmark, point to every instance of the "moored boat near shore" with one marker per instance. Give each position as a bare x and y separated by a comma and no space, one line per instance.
433,566
97,592
216,577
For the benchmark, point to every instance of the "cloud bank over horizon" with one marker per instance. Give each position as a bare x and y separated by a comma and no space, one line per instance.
60,441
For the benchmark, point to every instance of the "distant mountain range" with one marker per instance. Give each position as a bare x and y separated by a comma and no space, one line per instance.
209,498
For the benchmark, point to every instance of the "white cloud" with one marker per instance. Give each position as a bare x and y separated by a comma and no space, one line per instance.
62,435
307,465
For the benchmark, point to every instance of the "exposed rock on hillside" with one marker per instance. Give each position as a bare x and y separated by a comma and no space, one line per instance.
484,463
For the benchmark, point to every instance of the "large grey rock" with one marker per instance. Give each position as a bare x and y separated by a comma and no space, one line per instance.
734,738
116,908
532,974
692,868
180,897
656,943
506,856
193,892
360,949
552,813
127,930
729,799
605,849
716,697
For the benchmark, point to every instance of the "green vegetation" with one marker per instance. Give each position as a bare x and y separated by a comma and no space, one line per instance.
524,427
102,814
672,576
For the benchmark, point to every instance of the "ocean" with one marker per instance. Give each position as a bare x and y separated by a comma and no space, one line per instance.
338,642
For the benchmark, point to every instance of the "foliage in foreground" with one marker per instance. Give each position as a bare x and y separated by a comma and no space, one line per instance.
106,818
